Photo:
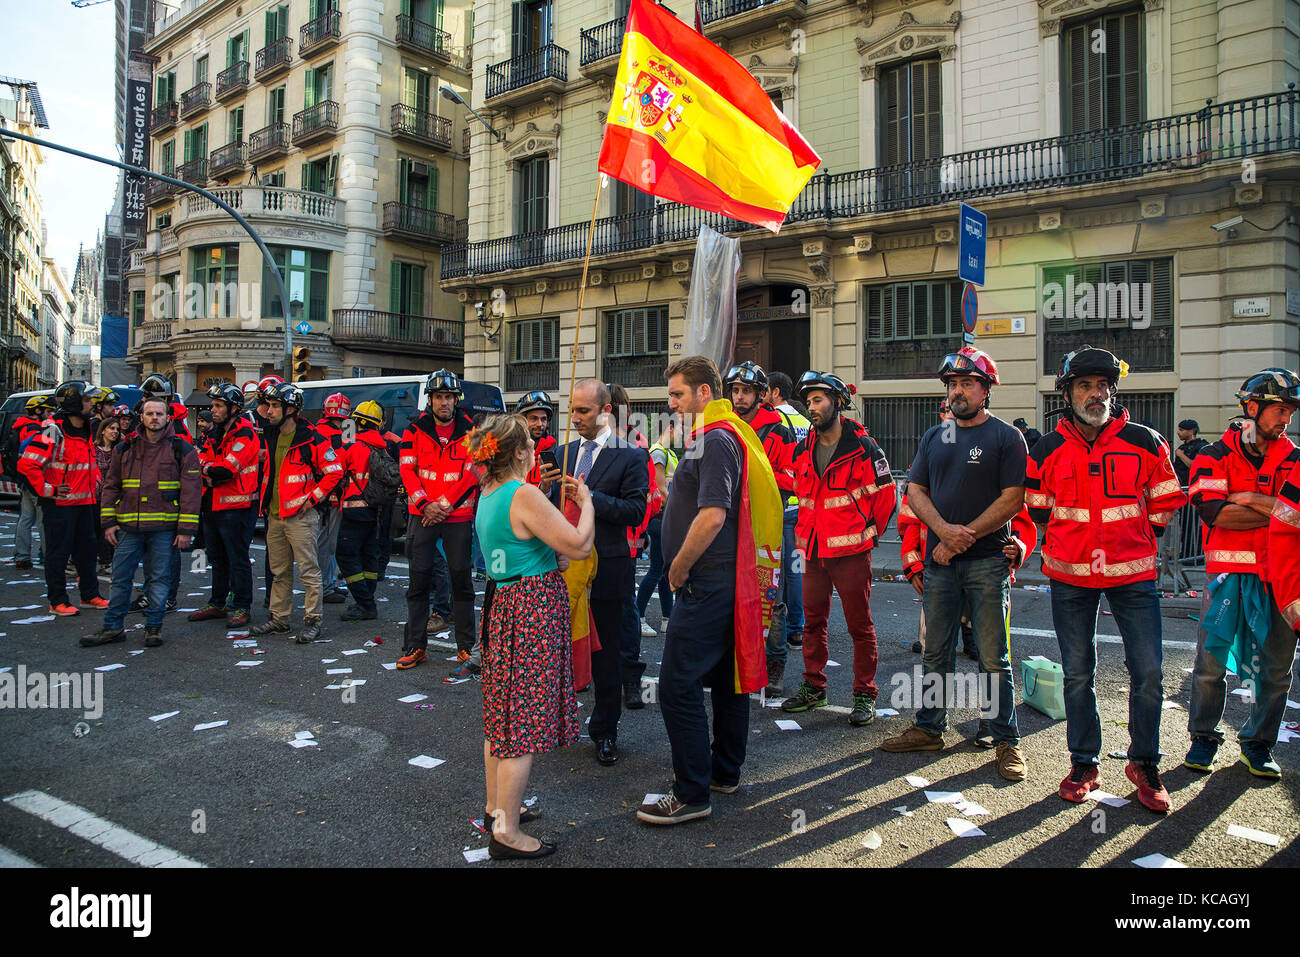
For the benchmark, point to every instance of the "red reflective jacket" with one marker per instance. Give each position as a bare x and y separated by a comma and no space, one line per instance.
843,510
436,469
230,466
1104,503
356,463
545,443
1284,548
912,531
779,444
53,458
1222,468
309,473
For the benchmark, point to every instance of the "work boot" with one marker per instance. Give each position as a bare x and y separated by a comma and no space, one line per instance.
357,613
775,678
913,739
272,626
105,637
310,631
437,624
153,636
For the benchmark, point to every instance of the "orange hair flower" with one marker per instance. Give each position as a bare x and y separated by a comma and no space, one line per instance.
487,447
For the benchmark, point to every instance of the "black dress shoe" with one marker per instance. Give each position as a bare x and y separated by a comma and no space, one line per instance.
607,751
504,852
632,697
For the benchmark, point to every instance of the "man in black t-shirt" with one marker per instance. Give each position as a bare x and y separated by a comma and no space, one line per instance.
1185,454
967,482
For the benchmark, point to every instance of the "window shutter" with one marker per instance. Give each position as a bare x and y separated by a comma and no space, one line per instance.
269,31
1132,67
903,312
230,52
333,175
921,310
873,313
1090,273
518,28
417,290
1162,293
887,314
1055,276
891,147
1119,307
431,200
305,182
308,88
395,287
437,13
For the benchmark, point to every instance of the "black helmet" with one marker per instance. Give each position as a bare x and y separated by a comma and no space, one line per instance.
747,373
286,393
1090,361
155,386
1270,385
443,381
535,401
228,393
68,396
826,381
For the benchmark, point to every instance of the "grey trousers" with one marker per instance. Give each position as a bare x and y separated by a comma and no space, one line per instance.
29,516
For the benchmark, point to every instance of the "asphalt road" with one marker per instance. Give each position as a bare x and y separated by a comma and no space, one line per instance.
240,795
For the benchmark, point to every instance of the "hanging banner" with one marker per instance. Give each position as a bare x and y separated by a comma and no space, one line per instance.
139,82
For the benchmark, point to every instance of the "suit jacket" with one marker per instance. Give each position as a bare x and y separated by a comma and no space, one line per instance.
619,482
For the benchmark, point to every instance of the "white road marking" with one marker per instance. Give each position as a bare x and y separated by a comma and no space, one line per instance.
112,838
9,859
1101,639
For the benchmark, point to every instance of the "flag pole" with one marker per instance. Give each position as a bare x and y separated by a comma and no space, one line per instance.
577,330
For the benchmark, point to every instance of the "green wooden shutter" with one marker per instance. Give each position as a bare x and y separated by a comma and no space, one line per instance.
308,88
417,291
305,180
395,287
437,13
188,146
406,8
230,52
432,198
269,30
333,175
403,181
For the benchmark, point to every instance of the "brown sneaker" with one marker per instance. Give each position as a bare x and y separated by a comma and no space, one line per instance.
436,624
1011,762
913,739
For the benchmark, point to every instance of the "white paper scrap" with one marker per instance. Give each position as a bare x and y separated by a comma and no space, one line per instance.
138,651
36,620
164,716
964,828
209,725
785,724
773,702
886,713
651,799
902,809
328,661
1035,658
832,664
390,665
1104,797
917,781
1250,834
971,808
248,664
871,840
944,797
476,856
412,698
109,667
424,761
1171,706
355,651
1241,692
302,743
1158,861
338,671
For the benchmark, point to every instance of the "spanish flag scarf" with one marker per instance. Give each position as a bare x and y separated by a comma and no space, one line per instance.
758,545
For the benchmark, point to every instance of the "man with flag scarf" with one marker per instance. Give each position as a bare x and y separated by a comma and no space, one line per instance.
722,546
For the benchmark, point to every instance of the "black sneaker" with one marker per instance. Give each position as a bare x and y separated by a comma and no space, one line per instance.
357,613
669,810
140,602
864,710
806,698
105,637
916,647
153,636
171,605
335,598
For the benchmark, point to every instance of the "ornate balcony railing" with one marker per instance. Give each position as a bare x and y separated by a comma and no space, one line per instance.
233,79
227,158
634,372
164,116
603,41
196,99
527,376
156,332
315,121
548,62
421,125
156,191
195,171
711,11
1251,127
369,327
423,36
268,141
269,201
273,58
319,33
422,223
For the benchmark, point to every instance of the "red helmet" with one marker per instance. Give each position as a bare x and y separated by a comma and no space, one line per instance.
267,381
337,406
972,362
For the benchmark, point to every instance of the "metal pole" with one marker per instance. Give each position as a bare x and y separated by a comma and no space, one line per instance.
270,260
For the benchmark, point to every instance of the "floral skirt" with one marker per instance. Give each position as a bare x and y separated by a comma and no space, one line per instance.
528,702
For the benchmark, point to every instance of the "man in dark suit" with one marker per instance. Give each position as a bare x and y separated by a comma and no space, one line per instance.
618,476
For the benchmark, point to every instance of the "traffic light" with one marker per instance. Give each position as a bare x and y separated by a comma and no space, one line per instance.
301,364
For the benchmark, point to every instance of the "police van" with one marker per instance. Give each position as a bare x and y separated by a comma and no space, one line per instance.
401,397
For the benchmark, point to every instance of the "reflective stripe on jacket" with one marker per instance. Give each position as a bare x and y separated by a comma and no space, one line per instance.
147,490
310,471
436,469
842,511
53,458
238,452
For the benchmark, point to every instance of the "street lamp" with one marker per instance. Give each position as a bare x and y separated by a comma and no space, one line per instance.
449,94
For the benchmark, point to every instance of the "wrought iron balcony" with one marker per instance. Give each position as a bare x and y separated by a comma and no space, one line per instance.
196,100
232,80
601,47
729,17
412,222
269,141
423,335
194,172
527,376
164,116
227,159
420,125
315,122
424,37
273,58
158,193
319,34
1225,132
525,77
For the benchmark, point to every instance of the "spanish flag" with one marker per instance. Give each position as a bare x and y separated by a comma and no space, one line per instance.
688,123
758,546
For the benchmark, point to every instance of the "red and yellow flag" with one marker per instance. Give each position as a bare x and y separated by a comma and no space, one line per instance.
687,122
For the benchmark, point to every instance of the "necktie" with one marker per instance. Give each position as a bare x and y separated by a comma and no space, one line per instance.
584,460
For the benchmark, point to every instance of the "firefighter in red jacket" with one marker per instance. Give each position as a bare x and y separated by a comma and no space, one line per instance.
1104,489
335,411
746,386
1237,483
441,490
358,543
60,464
537,408
846,498
302,471
229,457
36,414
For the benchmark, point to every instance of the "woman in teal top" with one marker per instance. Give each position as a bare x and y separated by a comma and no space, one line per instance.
528,702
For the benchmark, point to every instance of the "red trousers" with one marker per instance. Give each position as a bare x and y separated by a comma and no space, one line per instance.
851,577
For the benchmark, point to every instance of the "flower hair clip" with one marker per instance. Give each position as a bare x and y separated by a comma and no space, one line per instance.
487,447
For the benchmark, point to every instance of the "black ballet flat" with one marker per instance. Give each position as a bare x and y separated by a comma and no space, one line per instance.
504,852
528,814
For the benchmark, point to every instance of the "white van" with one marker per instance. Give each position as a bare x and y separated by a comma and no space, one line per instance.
402,397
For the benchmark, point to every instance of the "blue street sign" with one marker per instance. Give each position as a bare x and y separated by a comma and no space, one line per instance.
969,312
302,328
973,232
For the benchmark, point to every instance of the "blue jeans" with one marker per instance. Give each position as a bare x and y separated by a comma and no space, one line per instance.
984,583
1136,608
155,550
1210,689
656,575
792,578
